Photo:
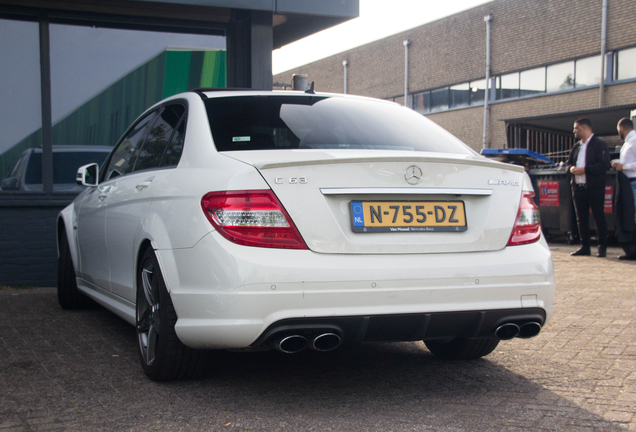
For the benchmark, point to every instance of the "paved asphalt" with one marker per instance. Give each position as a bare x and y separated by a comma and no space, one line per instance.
62,370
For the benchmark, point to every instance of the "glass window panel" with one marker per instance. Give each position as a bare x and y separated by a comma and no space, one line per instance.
532,82
477,91
422,102
440,99
123,159
459,95
103,78
66,162
173,153
159,136
626,64
20,106
319,122
588,71
560,77
508,86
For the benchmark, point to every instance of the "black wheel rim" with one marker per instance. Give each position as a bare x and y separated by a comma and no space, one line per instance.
148,312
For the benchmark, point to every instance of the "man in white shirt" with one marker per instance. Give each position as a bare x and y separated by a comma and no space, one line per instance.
624,202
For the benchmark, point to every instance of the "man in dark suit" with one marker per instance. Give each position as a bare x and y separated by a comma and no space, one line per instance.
587,165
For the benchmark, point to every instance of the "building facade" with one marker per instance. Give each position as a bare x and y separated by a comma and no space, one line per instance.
545,63
78,72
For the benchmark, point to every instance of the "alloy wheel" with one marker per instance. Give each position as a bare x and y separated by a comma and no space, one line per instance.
148,312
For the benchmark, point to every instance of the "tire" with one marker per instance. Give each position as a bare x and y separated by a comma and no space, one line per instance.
68,295
163,356
461,348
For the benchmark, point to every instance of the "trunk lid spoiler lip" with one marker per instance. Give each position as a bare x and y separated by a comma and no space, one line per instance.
273,160
406,191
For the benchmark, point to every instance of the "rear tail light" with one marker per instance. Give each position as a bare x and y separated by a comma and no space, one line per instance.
527,227
252,218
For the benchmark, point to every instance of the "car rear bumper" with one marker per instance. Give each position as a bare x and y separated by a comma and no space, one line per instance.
227,296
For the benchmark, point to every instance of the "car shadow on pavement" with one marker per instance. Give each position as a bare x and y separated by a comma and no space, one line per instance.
388,383
79,370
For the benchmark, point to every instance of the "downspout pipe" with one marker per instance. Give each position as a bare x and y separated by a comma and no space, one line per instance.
488,20
601,89
345,63
406,44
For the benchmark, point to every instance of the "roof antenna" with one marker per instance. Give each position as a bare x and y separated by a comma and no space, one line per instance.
311,89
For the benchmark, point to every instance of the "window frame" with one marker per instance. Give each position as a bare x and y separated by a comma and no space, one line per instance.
495,90
44,17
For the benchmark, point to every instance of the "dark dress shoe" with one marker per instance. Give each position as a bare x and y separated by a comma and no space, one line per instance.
580,252
628,257
602,252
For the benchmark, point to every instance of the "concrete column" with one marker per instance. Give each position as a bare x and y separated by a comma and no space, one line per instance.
262,45
250,41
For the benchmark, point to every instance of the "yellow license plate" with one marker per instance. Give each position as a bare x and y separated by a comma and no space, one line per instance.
408,216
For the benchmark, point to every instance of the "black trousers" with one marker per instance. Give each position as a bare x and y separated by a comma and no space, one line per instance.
584,200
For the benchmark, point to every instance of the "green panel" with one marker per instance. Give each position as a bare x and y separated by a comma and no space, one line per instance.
214,73
177,72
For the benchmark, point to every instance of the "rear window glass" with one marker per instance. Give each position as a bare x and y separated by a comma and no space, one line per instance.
318,122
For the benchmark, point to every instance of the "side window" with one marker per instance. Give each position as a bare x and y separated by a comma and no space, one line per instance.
175,148
159,137
123,159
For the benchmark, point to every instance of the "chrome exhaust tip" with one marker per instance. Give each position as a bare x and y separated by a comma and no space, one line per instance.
291,344
507,331
529,330
326,342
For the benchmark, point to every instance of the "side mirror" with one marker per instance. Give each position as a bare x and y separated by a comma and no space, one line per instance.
88,175
10,183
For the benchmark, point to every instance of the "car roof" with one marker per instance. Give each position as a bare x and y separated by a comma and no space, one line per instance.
208,93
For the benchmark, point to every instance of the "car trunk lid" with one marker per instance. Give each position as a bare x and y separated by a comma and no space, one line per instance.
452,203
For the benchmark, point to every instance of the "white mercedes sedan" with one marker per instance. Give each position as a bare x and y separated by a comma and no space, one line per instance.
295,220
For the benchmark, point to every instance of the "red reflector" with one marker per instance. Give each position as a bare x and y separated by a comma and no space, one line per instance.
252,218
527,227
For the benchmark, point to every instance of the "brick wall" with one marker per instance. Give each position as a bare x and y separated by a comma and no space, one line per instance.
452,50
462,123
28,256
524,34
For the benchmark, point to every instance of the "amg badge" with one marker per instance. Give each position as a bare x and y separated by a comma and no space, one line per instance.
503,182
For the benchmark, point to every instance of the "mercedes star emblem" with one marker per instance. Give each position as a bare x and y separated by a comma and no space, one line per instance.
413,175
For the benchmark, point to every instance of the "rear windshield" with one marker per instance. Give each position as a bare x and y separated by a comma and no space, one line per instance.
318,122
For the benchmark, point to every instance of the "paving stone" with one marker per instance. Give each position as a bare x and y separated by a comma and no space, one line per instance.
78,370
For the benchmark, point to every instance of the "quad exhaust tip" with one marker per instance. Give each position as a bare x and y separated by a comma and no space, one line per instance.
507,331
511,330
291,344
296,343
529,330
326,342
